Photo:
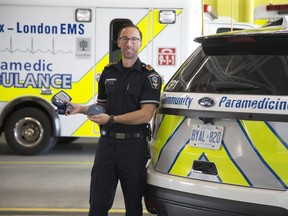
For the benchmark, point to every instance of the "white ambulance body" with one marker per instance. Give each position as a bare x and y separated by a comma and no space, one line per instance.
48,46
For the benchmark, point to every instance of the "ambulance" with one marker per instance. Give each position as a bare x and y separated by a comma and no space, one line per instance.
49,46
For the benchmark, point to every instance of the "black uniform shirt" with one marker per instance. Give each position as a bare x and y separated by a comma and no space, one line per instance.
125,89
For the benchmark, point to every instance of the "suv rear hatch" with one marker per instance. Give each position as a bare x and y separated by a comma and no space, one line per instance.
223,115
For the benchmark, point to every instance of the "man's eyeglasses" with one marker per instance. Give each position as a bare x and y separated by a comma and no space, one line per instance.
126,39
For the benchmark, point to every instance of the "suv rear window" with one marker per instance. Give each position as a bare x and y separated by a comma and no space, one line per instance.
232,74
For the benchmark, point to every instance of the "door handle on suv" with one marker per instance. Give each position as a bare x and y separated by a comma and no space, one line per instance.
204,167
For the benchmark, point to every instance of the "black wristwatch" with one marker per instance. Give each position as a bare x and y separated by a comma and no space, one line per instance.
111,120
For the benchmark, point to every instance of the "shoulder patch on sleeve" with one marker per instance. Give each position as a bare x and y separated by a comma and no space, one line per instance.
154,79
110,64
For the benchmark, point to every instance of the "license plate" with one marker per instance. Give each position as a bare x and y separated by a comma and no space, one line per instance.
206,136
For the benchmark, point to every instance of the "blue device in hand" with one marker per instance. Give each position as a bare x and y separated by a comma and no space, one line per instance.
95,109
59,101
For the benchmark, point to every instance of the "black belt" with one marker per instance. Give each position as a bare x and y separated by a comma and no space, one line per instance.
140,135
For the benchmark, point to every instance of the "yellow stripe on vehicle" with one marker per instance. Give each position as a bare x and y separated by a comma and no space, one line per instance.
158,27
78,87
227,171
270,149
168,125
86,129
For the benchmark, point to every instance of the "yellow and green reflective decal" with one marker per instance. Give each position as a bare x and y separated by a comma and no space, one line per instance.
250,150
272,150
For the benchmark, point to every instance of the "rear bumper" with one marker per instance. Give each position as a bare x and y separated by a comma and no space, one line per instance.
168,199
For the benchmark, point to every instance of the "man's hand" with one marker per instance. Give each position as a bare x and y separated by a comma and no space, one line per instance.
100,119
75,108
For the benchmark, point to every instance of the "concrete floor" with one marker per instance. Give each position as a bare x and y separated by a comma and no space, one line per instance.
56,183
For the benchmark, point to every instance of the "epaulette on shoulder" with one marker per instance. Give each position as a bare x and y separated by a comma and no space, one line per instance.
110,65
148,67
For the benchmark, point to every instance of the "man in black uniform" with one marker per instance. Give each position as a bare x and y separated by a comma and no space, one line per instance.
129,91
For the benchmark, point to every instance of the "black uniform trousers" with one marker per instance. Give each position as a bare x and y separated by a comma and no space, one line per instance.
118,159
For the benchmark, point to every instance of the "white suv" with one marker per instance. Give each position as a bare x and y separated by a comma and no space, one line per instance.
221,132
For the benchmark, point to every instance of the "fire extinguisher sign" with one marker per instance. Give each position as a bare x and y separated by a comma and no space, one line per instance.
166,56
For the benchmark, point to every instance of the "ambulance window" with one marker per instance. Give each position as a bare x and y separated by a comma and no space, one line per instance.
115,26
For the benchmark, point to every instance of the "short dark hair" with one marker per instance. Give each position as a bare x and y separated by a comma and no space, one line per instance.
130,25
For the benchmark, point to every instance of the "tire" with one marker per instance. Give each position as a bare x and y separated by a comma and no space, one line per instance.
29,131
